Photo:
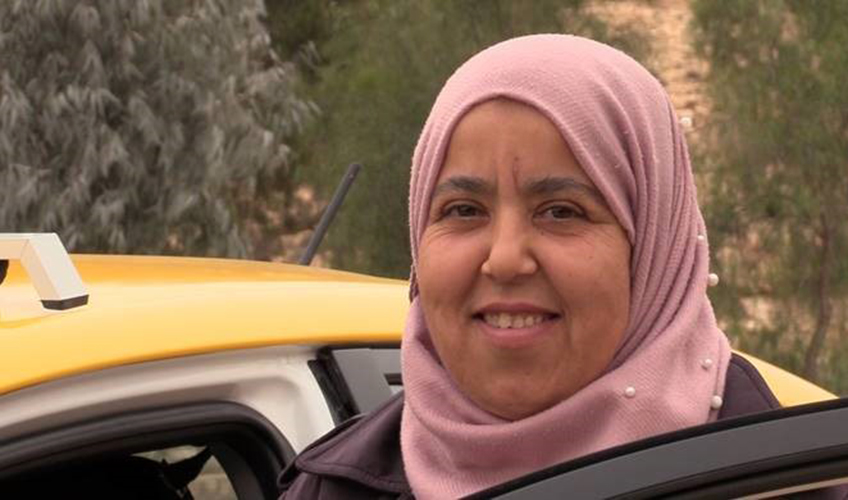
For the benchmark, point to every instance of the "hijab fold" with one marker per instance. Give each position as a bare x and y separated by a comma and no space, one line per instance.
621,127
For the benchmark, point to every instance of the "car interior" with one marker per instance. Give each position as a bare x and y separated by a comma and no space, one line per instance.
225,450
124,476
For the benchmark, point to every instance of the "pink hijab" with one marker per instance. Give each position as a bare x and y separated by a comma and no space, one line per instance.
669,371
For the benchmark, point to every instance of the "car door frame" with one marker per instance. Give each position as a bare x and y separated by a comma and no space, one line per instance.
735,457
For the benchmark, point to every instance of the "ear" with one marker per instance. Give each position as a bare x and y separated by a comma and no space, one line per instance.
181,473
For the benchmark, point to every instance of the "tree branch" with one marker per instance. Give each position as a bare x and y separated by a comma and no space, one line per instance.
811,360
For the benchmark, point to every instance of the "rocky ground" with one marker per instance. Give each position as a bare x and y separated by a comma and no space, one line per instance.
673,58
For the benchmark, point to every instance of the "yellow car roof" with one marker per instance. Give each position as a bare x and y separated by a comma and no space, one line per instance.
145,308
790,390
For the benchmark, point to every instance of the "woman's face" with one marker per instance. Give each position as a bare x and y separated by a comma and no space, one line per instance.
524,272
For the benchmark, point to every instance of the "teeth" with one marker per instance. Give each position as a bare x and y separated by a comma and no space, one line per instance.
507,320
504,321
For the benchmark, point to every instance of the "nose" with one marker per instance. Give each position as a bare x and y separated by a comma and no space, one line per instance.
510,252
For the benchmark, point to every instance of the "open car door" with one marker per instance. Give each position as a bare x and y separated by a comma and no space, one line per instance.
799,452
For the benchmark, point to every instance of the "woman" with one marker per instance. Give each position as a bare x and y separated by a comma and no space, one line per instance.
560,269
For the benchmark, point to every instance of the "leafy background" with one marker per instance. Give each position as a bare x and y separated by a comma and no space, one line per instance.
221,127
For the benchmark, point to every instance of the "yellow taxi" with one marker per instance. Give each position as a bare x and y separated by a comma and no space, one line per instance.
158,376
248,360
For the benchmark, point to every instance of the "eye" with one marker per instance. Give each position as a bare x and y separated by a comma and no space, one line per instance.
462,211
561,212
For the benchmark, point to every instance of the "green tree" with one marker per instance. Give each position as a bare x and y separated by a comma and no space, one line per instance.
141,125
777,153
374,69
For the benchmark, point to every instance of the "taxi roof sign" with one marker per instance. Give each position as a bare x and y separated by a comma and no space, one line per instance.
50,269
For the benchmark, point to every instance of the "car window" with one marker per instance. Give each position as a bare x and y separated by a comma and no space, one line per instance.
211,483
357,379
212,450
173,473
838,487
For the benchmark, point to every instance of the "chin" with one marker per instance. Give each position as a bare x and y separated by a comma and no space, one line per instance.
512,397
513,409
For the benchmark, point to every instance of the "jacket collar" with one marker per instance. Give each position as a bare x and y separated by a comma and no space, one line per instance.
365,450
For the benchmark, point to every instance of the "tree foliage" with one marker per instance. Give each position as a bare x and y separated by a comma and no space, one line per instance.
374,69
142,125
777,154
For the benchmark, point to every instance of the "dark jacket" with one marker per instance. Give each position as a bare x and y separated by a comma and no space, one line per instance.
361,458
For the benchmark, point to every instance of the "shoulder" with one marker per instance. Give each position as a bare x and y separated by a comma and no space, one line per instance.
360,458
745,390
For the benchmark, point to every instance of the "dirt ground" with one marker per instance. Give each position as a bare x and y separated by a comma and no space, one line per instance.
673,59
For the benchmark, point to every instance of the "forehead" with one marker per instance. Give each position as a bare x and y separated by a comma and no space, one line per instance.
500,136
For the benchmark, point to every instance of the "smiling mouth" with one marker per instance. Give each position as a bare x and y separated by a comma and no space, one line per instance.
508,321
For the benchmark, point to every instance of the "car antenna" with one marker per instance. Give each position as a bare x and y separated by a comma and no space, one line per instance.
329,214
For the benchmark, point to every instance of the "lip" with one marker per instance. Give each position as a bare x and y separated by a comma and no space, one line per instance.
513,308
516,338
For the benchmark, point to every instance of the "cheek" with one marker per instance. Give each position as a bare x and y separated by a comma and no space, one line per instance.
447,272
447,265
606,298
618,276
592,282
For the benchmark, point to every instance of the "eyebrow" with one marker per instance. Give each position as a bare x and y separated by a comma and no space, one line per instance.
543,186
463,184
551,184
